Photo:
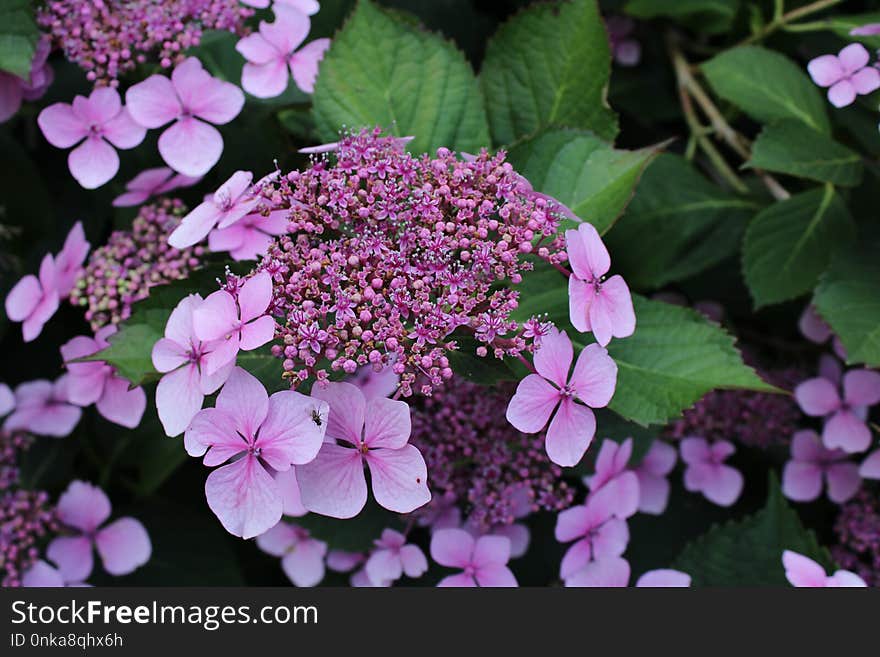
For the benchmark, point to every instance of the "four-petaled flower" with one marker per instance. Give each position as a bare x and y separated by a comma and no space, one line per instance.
846,73
34,300
152,182
483,561
302,557
810,463
43,408
393,557
706,472
802,571
229,204
600,537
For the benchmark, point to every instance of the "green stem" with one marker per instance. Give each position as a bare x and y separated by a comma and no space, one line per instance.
780,22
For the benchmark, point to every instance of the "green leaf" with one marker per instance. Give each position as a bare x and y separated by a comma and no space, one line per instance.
693,224
131,348
18,37
789,244
710,16
381,70
848,298
465,362
748,552
767,86
674,357
585,173
549,65
793,148
842,25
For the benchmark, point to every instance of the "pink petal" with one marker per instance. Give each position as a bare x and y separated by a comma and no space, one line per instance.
842,93
244,399
191,147
210,382
178,399
61,126
93,163
387,423
452,547
153,102
73,556
861,387
595,376
56,420
179,326
605,573
611,313
802,571
11,95
574,522
853,57
384,566
290,497
150,180
255,296
304,64
843,481
660,459
167,355
256,50
553,359
817,397
83,506
587,254
307,7
212,429
257,333
123,132
71,258
611,539
244,497
102,105
206,97
290,434
457,581
531,406
41,574
304,564
195,226
7,399
120,405
720,450
124,546
570,434
265,80
333,484
801,482
279,539
496,576
290,29
866,81
347,410
400,478
219,355
653,493
624,488
491,550
580,298
664,578
805,446
870,468
46,306
825,70
23,298
414,562
724,486
216,317
845,578
846,431
813,327
343,562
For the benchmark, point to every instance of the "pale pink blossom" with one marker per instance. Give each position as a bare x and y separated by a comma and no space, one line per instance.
652,473
152,182
375,432
707,473
181,356
229,204
43,408
802,571
845,414
393,557
96,382
302,557
598,535
612,475
811,463
610,572
34,300
194,100
538,395
603,306
272,55
232,324
250,237
123,545
97,124
70,259
483,561
847,74
252,433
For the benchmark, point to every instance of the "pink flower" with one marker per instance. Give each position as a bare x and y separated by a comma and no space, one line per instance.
229,204
13,89
664,578
96,382
253,432
34,300
302,557
483,560
152,182
69,260
97,121
123,545
393,557
194,100
611,572
706,472
652,473
598,533
272,50
844,416
869,29
802,571
181,356
596,304
847,74
612,475
43,408
250,237
376,432
810,463
235,324
538,395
